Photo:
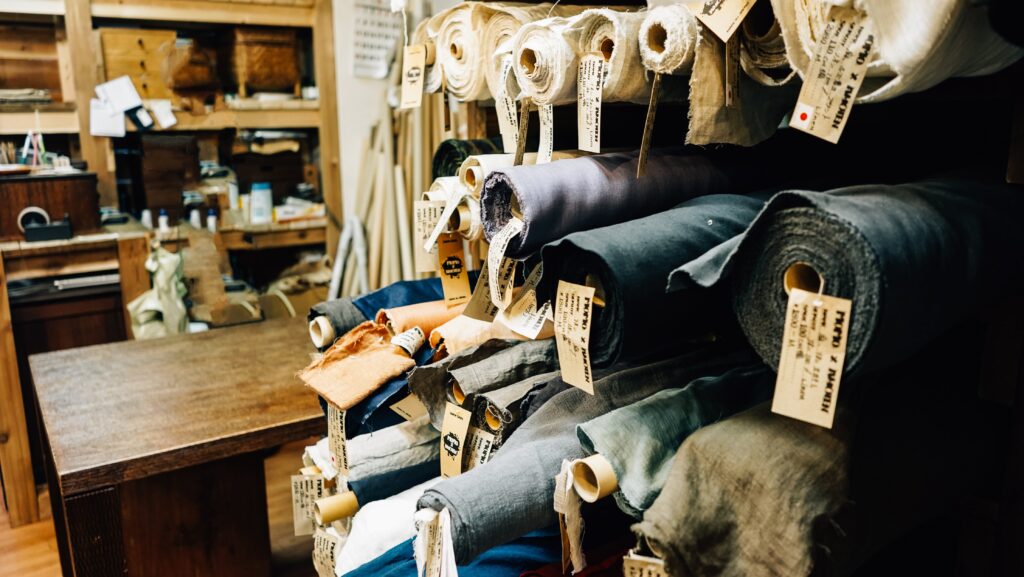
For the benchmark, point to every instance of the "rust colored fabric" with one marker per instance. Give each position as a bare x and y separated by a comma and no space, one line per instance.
356,365
427,316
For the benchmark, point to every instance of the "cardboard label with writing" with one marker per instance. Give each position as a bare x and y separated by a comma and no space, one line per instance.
410,408
413,71
410,341
723,17
453,439
450,206
652,111
838,69
325,552
451,267
426,215
573,314
813,353
502,270
480,444
547,134
523,316
433,548
732,71
336,439
480,306
636,565
505,107
306,489
590,83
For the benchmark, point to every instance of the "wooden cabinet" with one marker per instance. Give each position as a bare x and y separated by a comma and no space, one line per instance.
139,54
57,195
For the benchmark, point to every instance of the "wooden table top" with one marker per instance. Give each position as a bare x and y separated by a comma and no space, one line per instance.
133,409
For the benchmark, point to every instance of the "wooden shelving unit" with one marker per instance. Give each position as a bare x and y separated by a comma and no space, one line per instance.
32,7
43,121
244,119
207,11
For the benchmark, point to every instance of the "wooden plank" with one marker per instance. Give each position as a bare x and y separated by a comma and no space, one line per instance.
87,71
131,257
15,455
241,240
325,62
140,408
39,7
222,119
48,122
203,11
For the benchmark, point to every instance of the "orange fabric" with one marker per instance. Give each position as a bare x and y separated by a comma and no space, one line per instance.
427,316
356,365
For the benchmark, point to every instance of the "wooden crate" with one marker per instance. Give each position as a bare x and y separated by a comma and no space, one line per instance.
266,59
30,58
139,54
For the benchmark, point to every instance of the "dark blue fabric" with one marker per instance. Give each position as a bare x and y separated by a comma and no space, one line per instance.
394,482
402,293
373,413
528,552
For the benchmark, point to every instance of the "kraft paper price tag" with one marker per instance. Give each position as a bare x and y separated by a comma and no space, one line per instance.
636,565
547,134
480,306
451,267
427,213
410,408
502,270
813,353
573,310
524,127
325,552
505,107
838,69
413,67
450,206
590,82
336,439
568,505
732,71
523,316
433,547
410,341
723,17
480,444
453,439
306,489
652,111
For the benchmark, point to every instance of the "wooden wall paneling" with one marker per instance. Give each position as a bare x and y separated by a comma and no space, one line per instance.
87,70
330,151
15,455
131,258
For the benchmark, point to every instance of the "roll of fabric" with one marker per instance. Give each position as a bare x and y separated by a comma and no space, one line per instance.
452,153
763,49
913,50
380,526
392,449
432,73
501,411
390,483
463,332
427,316
631,260
641,439
444,188
586,193
459,52
915,259
475,169
615,34
512,493
667,39
545,60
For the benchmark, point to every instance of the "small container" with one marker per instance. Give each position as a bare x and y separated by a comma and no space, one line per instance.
146,218
244,206
262,203
164,221
211,220
195,219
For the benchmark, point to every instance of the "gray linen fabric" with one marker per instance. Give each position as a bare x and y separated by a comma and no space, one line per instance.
341,313
512,494
915,259
639,440
392,448
509,405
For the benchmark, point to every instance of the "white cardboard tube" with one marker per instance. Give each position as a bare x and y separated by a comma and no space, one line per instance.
321,332
594,478
335,507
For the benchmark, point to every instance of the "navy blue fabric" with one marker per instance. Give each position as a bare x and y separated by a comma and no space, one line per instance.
402,293
373,413
528,552
394,482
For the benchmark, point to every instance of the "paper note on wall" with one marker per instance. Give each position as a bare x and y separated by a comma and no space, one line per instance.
378,32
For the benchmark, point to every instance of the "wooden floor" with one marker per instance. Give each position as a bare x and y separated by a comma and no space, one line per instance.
31,550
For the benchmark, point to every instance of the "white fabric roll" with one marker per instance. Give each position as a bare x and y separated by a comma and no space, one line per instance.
668,39
444,188
916,46
616,35
432,75
545,60
459,52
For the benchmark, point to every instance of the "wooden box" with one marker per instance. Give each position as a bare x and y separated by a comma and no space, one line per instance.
139,54
170,165
266,59
71,194
35,57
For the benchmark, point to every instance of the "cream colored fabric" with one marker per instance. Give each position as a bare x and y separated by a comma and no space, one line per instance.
545,60
432,76
763,50
427,316
917,45
616,35
667,40
160,311
459,53
464,332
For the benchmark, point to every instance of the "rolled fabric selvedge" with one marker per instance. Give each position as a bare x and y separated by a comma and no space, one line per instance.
589,192
915,259
545,60
615,34
667,39
459,53
452,153
630,262
640,440
913,49
512,494
762,47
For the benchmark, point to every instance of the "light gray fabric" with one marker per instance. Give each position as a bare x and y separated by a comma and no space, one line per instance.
392,448
640,440
509,405
512,494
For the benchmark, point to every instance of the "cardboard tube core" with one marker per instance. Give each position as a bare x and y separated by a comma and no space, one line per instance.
656,37
431,53
456,49
321,332
594,478
461,219
335,507
493,421
804,277
458,394
528,60
310,470
474,174
607,48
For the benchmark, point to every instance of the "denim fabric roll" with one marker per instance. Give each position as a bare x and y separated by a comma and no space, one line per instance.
452,153
530,551
915,259
501,411
578,194
512,494
640,440
631,261
391,483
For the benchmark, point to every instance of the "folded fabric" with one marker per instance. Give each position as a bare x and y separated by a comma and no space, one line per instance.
913,49
512,493
593,191
668,39
427,316
501,411
374,412
915,259
631,261
615,34
380,526
532,550
392,449
545,59
452,153
639,440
